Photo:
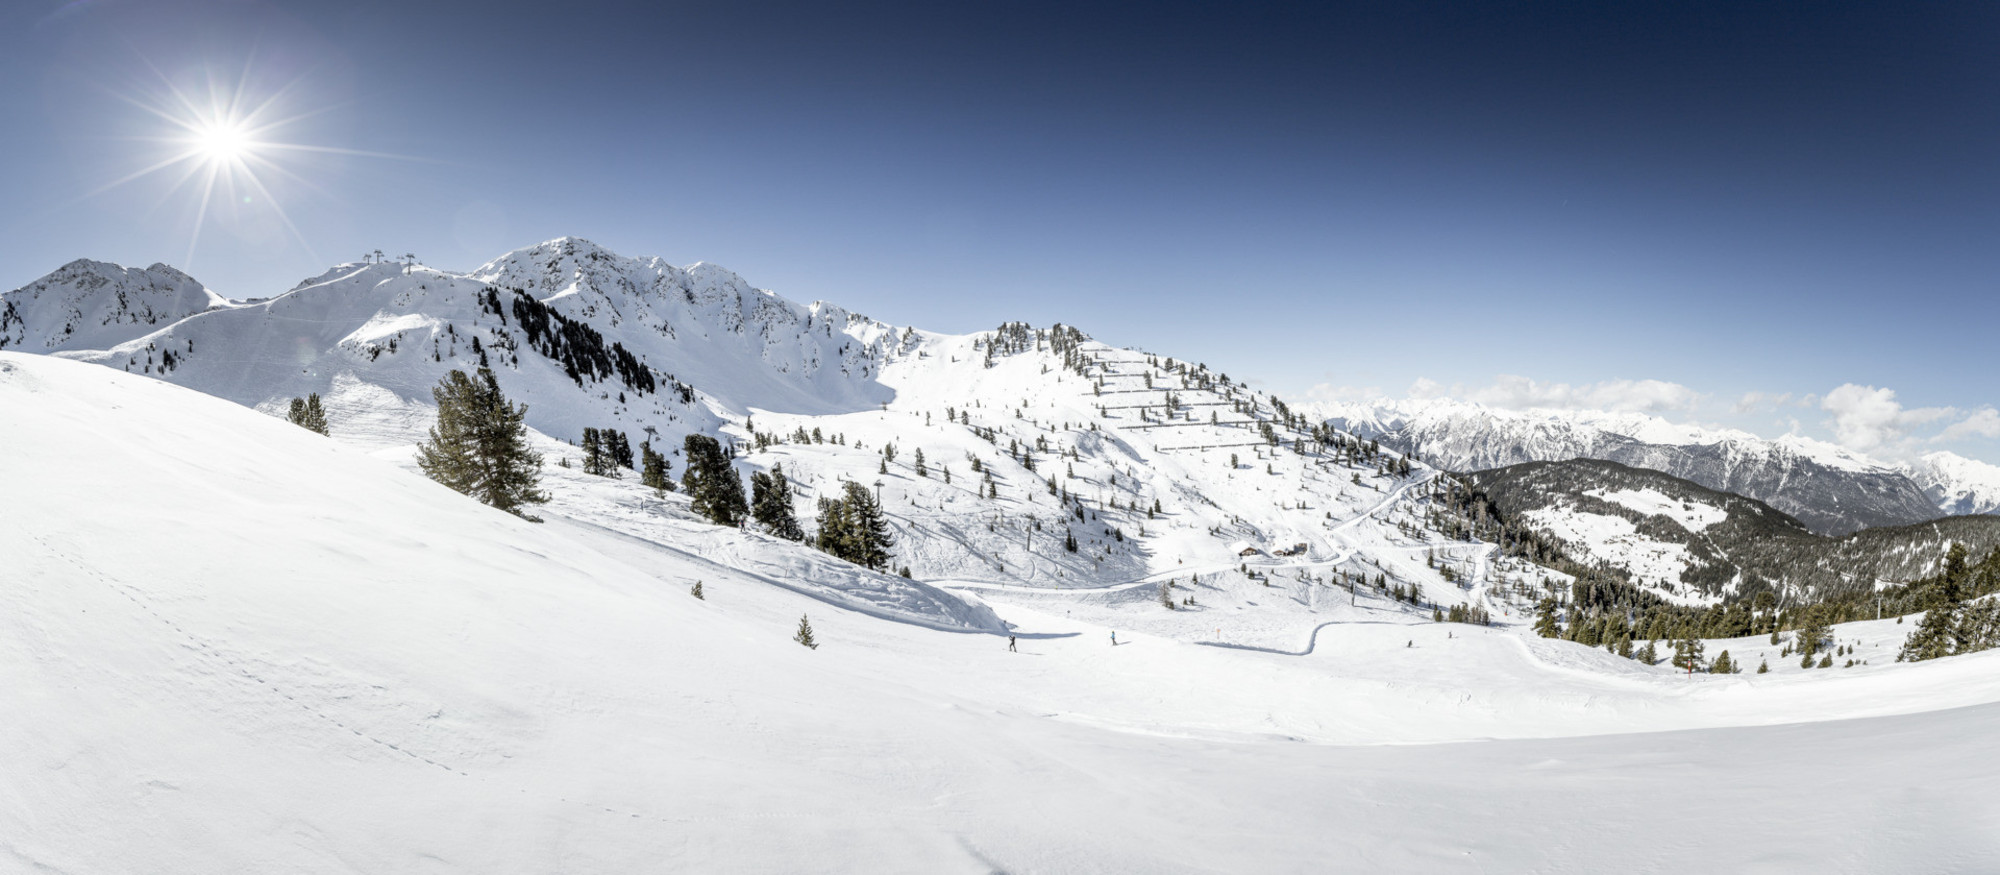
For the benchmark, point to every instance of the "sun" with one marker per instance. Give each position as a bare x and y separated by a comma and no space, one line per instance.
223,141
225,146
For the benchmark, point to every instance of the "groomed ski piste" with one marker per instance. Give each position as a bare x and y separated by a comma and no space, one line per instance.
230,645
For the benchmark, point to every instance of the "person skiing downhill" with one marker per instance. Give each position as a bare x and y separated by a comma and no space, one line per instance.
1010,645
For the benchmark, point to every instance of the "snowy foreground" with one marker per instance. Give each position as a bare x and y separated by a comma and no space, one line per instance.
229,645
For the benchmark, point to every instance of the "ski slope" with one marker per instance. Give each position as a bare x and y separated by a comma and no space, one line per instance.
232,645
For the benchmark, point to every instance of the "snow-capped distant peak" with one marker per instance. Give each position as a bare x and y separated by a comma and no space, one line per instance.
1831,489
1959,485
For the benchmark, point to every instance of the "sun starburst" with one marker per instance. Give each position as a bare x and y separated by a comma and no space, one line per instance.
225,146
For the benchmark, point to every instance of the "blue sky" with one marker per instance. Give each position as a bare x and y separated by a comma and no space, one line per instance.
1548,203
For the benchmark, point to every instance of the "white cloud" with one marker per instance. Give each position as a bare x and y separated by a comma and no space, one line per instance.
1869,419
1519,393
1984,423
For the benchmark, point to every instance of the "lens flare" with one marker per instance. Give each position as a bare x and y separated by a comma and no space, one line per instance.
223,143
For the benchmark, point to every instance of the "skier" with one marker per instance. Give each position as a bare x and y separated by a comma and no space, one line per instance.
1010,645
1114,638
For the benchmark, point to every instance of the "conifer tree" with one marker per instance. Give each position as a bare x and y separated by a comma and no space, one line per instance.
653,471
696,592
1687,653
805,633
711,481
307,413
1723,665
1545,619
771,504
1167,596
619,448
869,534
594,459
479,446
1939,634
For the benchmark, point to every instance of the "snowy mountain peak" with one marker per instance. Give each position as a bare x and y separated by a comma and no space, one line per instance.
1959,485
89,304
1831,490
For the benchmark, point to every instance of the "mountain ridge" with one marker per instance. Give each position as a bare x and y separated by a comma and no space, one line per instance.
1831,490
1019,455
1690,543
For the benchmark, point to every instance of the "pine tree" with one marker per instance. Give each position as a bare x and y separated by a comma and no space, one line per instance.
1812,633
1687,653
869,533
853,528
620,449
696,592
1939,633
711,481
771,504
594,459
1167,596
1764,666
307,413
805,633
479,446
653,470
1545,619
1649,654
1723,665
922,470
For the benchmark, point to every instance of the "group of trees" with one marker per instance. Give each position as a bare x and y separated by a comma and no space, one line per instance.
578,347
606,452
1952,623
307,413
771,504
711,482
853,527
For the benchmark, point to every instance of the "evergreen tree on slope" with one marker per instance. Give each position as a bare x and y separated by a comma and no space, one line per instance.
711,481
771,504
479,446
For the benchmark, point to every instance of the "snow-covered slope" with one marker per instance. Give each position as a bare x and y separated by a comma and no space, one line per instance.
231,645
1830,489
93,305
1959,485
1029,436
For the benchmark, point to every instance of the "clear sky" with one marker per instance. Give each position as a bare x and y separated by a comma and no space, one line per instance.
1524,203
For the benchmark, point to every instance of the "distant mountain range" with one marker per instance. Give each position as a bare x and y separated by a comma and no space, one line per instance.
1017,455
1830,490
1693,545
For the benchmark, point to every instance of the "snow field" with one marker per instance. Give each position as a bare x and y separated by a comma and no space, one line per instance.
237,646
